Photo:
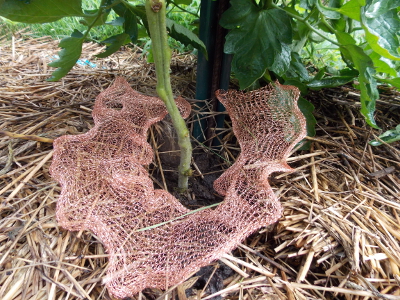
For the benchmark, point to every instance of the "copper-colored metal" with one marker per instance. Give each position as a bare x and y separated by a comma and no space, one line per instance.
106,189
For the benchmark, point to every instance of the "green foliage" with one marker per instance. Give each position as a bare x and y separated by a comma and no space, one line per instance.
307,109
382,25
259,39
59,29
180,2
393,81
91,17
388,137
185,36
43,11
267,39
351,9
72,49
332,81
114,43
127,15
368,86
128,21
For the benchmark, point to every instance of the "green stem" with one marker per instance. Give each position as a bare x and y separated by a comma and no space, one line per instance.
178,218
99,13
329,26
113,4
155,11
184,10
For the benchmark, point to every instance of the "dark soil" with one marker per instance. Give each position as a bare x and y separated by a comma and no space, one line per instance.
209,167
213,284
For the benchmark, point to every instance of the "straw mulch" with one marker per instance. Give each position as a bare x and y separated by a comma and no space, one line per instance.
338,238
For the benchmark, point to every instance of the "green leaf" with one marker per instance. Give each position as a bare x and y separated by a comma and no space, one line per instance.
118,21
142,33
292,11
138,10
91,16
297,70
383,65
307,4
330,82
300,31
282,60
130,21
316,38
368,87
185,36
393,81
344,38
382,25
352,9
150,57
388,137
301,35
40,11
259,39
307,108
340,24
72,49
330,13
320,74
376,8
184,2
114,43
297,83
348,72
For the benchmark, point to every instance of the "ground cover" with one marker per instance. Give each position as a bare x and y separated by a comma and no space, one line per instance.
338,237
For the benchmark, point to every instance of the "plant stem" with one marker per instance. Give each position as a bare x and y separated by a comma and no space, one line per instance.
155,11
184,10
99,13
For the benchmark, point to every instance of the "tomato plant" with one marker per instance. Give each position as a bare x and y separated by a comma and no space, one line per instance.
152,16
266,38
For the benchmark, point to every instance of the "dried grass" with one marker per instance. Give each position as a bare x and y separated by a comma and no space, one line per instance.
339,236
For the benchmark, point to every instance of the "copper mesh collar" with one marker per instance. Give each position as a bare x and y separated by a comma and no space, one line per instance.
106,189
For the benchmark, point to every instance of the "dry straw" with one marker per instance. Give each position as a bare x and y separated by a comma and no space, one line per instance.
338,237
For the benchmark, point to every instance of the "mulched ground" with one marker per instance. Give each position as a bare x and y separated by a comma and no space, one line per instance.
338,238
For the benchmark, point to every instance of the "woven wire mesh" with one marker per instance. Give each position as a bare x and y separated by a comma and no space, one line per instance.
106,189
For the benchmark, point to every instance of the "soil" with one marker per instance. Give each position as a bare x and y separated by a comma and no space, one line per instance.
208,167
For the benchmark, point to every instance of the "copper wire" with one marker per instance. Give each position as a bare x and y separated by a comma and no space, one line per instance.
106,189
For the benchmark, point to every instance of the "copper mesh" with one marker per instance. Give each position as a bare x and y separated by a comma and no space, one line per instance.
106,189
